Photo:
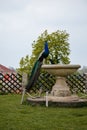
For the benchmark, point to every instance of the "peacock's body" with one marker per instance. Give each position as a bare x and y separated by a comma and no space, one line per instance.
37,66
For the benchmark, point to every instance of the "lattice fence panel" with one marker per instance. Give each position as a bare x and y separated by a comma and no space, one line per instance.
44,82
76,82
10,83
13,83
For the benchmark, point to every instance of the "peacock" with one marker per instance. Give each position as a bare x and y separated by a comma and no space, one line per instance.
37,66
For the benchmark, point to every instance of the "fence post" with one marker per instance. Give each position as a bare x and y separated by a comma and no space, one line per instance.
85,74
24,82
46,99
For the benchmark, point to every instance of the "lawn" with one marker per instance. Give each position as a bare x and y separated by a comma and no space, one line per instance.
14,116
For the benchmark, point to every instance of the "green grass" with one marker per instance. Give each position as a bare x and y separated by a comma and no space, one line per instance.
14,116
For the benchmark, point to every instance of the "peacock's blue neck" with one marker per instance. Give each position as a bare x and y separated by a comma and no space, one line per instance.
46,49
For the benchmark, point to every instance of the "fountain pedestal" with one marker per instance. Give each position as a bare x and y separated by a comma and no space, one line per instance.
60,88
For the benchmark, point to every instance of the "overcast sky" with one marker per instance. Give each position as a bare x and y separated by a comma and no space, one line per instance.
22,21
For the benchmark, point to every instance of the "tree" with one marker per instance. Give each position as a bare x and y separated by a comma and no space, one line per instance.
58,47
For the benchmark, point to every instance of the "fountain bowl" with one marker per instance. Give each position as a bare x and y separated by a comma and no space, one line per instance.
61,70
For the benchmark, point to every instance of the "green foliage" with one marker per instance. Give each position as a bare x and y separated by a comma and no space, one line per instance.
58,47
24,64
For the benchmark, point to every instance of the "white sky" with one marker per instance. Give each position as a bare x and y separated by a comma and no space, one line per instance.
22,21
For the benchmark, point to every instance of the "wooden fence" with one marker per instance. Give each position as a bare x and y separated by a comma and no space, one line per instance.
13,83
44,83
10,83
76,82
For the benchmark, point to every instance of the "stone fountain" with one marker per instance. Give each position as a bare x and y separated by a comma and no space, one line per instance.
60,89
60,93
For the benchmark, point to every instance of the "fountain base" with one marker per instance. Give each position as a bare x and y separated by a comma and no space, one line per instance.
68,101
